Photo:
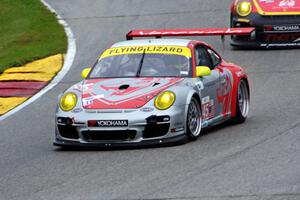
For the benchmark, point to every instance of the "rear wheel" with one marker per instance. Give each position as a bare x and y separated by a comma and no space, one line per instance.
242,102
194,119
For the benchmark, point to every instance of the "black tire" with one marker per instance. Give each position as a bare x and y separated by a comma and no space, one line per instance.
242,102
193,119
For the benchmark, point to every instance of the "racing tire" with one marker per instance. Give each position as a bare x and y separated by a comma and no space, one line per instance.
242,102
194,119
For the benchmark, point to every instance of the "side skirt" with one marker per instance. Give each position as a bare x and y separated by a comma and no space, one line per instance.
216,120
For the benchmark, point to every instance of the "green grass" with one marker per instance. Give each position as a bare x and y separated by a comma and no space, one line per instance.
28,31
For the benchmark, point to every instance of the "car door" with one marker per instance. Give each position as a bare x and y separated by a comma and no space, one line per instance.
217,90
224,87
210,84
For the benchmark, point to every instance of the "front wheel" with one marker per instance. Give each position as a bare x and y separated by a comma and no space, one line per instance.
242,102
194,119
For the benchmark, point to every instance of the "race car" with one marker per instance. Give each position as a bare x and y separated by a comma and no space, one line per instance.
276,23
153,92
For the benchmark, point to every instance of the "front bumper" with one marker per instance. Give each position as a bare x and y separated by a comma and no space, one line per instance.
270,31
144,128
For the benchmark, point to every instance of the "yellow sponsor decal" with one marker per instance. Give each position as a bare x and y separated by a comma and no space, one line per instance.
173,50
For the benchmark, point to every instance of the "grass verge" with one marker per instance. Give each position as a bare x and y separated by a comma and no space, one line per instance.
29,31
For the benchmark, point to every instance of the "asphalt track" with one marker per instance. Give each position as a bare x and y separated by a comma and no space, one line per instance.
259,159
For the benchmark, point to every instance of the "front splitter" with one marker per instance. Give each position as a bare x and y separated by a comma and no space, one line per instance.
259,45
155,142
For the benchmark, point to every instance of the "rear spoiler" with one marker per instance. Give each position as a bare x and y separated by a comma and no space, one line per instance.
188,32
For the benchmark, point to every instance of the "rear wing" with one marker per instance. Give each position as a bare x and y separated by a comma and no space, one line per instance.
188,32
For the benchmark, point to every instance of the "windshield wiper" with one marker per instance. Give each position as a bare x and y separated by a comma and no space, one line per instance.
141,64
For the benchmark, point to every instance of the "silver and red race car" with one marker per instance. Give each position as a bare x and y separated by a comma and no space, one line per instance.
276,23
153,91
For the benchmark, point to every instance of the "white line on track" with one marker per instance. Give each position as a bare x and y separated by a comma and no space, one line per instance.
69,58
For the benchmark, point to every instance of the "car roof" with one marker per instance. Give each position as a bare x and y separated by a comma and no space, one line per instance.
159,42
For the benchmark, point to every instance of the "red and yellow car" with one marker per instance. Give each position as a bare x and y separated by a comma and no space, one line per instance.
276,23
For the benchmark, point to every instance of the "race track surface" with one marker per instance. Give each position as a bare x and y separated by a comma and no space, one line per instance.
259,159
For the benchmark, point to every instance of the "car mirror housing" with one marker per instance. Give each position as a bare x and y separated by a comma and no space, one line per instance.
85,73
202,71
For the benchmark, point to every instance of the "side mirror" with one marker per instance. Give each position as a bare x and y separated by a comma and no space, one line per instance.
202,71
85,72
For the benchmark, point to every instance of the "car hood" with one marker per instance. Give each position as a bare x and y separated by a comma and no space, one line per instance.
278,7
122,93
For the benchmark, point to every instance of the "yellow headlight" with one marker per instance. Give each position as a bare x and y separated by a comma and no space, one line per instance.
164,100
68,101
244,8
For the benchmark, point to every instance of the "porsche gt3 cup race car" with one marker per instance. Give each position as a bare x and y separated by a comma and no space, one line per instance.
276,22
153,91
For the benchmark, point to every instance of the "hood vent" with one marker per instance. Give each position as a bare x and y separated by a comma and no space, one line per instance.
155,84
124,87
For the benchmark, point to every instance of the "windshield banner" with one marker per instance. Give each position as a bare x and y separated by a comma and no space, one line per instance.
175,50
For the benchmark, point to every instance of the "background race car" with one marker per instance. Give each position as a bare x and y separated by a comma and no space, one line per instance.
276,22
153,91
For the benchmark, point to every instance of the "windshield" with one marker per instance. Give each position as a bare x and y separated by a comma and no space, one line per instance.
143,62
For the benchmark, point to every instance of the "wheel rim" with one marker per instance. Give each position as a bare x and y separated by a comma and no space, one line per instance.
243,98
194,120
